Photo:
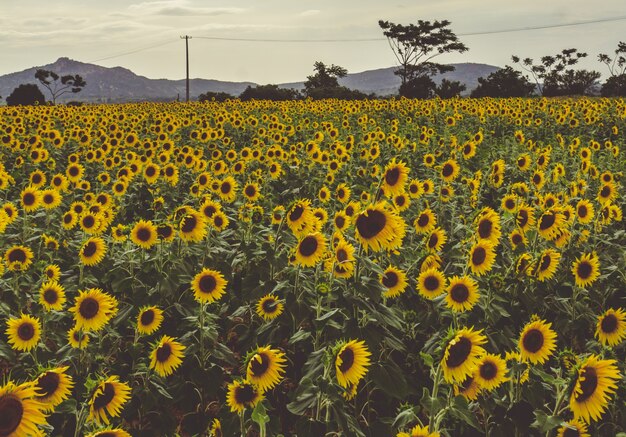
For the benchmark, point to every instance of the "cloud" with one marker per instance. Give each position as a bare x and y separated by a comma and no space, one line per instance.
181,8
309,13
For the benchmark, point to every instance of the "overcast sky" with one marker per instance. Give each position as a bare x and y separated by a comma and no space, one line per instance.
34,32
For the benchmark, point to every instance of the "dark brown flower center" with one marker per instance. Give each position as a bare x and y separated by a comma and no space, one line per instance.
533,340
48,199
342,255
431,283
258,368
90,249
522,218
458,352
371,223
17,255
488,370
144,234
308,246
582,211
188,224
89,221
245,394
588,381
28,199
51,296
392,176
11,412
347,359
340,222
423,220
250,191
516,239
147,317
103,399
26,331
447,170
484,228
47,384
89,308
479,255
163,352
605,191
609,324
459,293
547,220
569,432
270,305
584,269
390,279
225,187
296,213
207,284
546,260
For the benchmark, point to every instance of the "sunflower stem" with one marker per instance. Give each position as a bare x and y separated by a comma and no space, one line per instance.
241,423
433,395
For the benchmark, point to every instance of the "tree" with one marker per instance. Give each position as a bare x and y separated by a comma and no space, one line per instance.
268,92
415,45
554,78
69,83
26,94
505,82
325,77
419,87
450,88
214,96
615,86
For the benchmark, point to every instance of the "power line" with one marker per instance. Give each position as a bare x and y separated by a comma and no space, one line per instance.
550,26
134,51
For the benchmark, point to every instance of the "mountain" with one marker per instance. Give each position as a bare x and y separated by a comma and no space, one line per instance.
119,84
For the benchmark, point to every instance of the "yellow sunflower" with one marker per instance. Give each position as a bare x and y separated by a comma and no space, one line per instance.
462,354
144,234
586,269
425,221
242,395
551,224
431,283
491,372
462,293
53,387
469,388
265,368
21,413
310,250
77,338
481,257
611,327
547,264
394,178
192,227
208,286
378,228
166,356
93,308
216,429
18,258
52,296
92,251
573,428
595,383
393,281
149,319
488,226
269,307
584,211
435,240
108,399
23,332
115,432
300,218
351,362
537,342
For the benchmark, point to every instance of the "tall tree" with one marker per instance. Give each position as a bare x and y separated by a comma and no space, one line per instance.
505,82
69,83
324,77
615,86
415,45
26,94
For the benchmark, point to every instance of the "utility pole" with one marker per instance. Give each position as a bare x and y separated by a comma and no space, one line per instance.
187,38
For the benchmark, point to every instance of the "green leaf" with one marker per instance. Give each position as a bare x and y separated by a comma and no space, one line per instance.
546,423
259,415
327,315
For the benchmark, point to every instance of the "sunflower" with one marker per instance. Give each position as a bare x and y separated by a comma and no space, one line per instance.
50,199
149,319
379,228
216,429
269,307
606,194
23,332
450,170
21,413
192,227
310,250
166,356
573,428
52,296
323,194
18,258
586,269
242,395
509,203
425,221
53,387
595,382
491,372
220,221
300,218
435,240
394,178
342,263
89,222
341,221
92,251
462,293
351,362
30,198
481,257
469,388
251,191
547,264
343,193
208,286
536,342
93,308
227,189
525,218
108,399
393,281
584,211
462,354
431,283
551,224
52,272
116,432
488,226
611,327
144,234
265,368
77,338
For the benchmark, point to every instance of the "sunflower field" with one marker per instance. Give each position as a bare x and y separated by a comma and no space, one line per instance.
314,268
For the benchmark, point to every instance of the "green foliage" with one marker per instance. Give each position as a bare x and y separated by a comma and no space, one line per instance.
26,94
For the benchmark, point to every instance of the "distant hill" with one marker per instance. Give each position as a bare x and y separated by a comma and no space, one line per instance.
119,84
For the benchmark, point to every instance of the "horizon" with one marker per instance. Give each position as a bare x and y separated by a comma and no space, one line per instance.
243,41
